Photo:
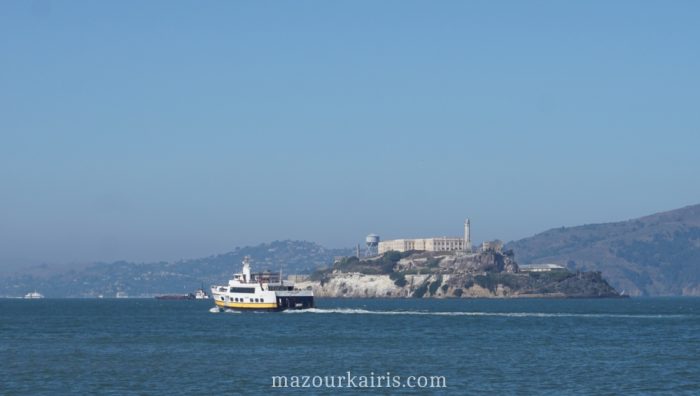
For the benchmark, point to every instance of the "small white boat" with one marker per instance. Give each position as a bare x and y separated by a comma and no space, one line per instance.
33,295
200,294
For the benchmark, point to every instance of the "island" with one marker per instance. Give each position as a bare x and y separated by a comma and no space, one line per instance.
489,273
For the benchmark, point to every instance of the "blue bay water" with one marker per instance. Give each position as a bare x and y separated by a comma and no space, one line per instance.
140,346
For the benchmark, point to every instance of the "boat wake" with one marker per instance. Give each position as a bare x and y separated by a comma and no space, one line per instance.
219,310
355,311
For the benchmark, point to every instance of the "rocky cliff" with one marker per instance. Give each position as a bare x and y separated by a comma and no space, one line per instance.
450,274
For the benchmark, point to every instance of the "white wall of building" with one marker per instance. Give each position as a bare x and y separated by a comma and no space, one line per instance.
443,244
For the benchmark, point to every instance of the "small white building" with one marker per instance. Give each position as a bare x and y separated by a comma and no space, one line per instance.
540,267
496,246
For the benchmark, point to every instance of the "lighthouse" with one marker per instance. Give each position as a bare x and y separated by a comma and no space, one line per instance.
467,236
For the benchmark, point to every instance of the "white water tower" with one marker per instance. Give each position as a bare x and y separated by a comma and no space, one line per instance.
372,242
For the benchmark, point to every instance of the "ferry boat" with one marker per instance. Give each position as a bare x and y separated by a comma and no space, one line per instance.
33,295
262,291
200,294
188,296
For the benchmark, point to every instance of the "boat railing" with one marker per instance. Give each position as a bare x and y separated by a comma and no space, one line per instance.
265,277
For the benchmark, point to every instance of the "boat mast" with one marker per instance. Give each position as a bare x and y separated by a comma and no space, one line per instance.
246,269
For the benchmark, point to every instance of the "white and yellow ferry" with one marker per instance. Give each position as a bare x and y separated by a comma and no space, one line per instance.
262,291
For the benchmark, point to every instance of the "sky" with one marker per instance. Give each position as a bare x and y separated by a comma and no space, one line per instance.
165,130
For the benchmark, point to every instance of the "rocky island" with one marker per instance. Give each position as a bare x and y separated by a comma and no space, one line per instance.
455,274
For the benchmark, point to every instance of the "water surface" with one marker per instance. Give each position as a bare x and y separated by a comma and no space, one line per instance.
133,346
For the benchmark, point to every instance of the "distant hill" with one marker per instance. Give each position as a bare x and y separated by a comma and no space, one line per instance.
147,279
655,255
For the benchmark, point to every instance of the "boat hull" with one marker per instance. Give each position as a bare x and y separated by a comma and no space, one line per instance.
283,303
176,297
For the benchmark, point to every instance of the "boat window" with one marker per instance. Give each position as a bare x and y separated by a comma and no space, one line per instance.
242,290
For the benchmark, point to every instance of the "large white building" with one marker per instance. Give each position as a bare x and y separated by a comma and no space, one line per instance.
437,244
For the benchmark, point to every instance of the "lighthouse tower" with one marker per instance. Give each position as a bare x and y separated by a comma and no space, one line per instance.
467,236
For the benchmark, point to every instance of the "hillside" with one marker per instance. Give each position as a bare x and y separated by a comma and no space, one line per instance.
148,279
655,255
450,274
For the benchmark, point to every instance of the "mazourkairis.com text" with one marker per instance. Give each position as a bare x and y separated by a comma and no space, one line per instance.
359,381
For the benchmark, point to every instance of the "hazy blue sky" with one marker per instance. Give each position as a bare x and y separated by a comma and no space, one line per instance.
164,130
